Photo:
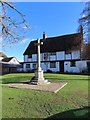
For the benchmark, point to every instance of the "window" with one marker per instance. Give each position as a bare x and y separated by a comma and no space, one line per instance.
45,56
29,56
27,65
52,64
34,65
14,60
72,64
53,53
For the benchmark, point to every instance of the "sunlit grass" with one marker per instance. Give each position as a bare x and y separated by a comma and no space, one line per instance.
22,103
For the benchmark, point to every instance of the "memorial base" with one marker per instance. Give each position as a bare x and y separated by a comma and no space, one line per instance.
39,79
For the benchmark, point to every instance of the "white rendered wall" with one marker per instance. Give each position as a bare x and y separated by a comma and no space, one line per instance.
29,59
75,54
60,55
41,56
25,58
67,68
54,69
44,66
80,66
1,58
52,57
34,57
24,67
68,56
14,61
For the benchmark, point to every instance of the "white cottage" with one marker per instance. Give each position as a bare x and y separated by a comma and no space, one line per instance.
58,54
8,64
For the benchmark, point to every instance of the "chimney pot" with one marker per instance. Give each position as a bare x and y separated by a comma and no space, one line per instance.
44,35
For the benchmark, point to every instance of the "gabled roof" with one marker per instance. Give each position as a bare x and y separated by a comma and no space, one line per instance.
7,59
2,55
56,44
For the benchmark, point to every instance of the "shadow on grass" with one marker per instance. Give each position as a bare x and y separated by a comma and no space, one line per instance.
15,80
74,114
80,114
20,79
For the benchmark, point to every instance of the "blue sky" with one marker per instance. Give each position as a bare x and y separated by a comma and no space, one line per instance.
55,19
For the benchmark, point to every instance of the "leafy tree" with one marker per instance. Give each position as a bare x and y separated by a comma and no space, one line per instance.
9,25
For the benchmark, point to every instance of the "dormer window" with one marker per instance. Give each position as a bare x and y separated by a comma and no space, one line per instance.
29,56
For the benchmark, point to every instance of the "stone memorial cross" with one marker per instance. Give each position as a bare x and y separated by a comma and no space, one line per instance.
39,79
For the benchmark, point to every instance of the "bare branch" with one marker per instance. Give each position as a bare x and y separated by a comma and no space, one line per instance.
11,26
85,21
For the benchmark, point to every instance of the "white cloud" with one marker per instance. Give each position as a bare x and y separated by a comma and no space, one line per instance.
25,27
25,40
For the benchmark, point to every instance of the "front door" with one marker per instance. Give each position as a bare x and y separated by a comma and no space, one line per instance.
61,65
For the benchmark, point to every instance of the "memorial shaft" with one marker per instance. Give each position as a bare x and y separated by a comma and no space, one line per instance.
39,68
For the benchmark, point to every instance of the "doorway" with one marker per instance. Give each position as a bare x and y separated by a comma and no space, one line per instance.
61,66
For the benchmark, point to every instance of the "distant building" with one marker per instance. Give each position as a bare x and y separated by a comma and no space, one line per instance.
2,55
8,64
58,54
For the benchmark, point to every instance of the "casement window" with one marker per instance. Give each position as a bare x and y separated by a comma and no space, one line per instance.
27,65
72,64
45,56
53,53
29,56
52,64
34,65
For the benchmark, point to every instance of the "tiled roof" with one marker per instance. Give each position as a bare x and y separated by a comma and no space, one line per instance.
7,59
56,44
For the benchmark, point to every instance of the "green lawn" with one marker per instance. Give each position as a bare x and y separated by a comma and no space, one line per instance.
70,101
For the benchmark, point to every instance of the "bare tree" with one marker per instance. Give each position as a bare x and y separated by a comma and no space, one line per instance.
84,20
9,25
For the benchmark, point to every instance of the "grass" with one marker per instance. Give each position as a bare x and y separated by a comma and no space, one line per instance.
71,101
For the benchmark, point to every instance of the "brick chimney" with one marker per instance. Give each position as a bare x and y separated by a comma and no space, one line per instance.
44,36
